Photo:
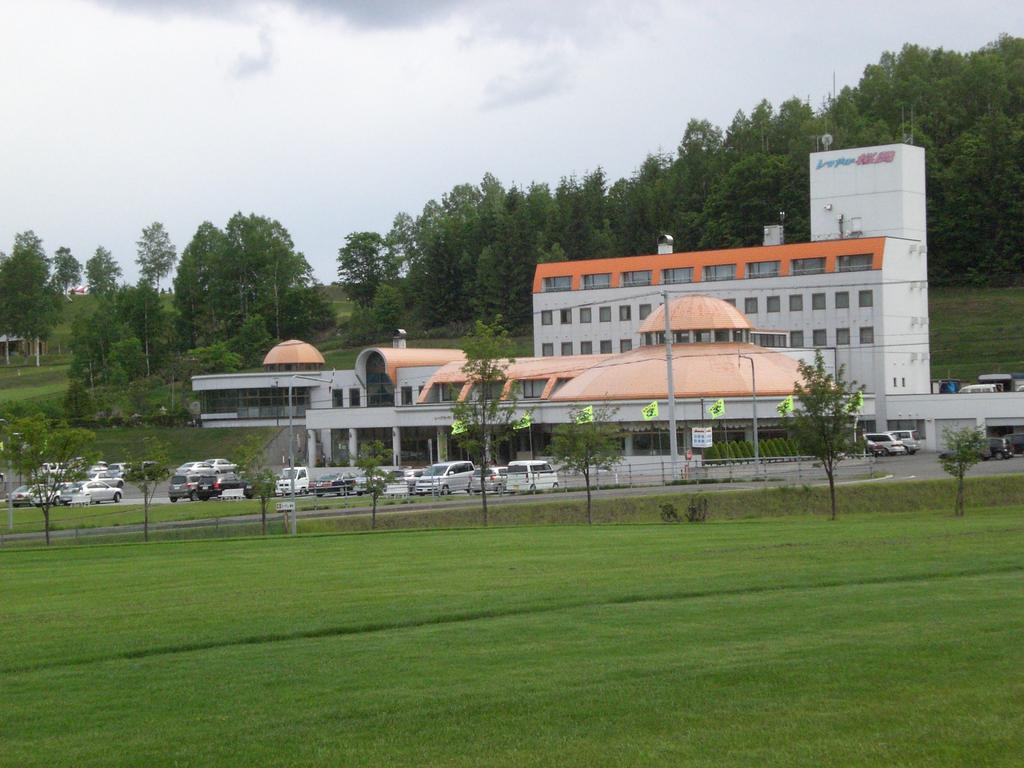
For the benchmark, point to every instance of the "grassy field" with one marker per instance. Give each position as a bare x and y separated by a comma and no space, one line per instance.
971,331
780,641
184,443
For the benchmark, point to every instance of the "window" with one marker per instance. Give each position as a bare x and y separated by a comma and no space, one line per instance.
566,349
563,283
625,312
585,314
533,388
353,397
565,316
866,298
719,272
858,263
817,301
750,305
642,277
674,276
808,266
625,345
547,350
796,338
774,304
447,392
820,337
645,310
545,317
796,302
586,347
867,335
763,269
842,337
604,314
842,299
598,281
606,346
406,395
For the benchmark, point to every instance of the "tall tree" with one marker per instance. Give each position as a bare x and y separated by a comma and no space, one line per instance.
102,273
67,271
364,263
824,423
28,306
488,411
156,254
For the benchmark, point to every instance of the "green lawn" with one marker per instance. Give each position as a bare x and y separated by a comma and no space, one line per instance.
784,641
971,331
184,443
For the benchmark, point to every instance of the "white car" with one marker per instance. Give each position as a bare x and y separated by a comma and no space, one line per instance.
284,481
446,477
195,468
108,477
530,475
884,444
221,466
96,490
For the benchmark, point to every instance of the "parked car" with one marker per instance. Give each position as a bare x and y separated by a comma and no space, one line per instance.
23,496
211,486
333,484
99,466
909,439
445,477
284,481
96,490
183,486
530,475
1016,441
118,468
221,465
494,481
106,476
998,448
194,468
410,476
884,444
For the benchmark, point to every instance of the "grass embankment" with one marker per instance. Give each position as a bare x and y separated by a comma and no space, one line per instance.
971,331
883,639
183,443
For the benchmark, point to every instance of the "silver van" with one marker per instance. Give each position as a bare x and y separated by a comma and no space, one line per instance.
908,437
446,477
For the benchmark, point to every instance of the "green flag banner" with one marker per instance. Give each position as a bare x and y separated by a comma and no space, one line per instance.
717,409
650,411
523,423
458,427
585,415
786,406
857,402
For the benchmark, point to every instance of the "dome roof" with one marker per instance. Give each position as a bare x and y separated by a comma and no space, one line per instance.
693,313
294,352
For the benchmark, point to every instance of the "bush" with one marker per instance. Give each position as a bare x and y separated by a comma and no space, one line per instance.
697,510
669,514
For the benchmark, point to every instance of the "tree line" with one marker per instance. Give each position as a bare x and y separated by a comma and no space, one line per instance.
471,254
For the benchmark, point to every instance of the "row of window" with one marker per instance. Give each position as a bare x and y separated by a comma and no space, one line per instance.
587,347
711,273
751,306
819,337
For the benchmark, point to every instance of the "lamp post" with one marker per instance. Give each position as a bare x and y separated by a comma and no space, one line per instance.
753,392
673,448
291,442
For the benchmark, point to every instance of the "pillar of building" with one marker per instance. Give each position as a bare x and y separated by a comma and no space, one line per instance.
353,447
311,449
627,448
396,446
325,446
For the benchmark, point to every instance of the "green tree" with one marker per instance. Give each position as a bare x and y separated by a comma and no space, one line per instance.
28,306
372,458
147,471
261,478
823,423
32,442
215,358
364,263
488,411
388,308
964,449
587,443
156,254
252,342
67,272
102,273
77,401
127,361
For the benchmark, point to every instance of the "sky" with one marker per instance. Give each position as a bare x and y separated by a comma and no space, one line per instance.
333,116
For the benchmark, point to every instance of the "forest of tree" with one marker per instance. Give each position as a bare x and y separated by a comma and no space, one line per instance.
472,254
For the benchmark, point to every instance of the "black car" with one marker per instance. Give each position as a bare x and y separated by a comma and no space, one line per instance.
210,486
334,484
998,448
1016,441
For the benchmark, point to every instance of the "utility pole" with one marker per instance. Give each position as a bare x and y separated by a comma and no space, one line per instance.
753,392
673,446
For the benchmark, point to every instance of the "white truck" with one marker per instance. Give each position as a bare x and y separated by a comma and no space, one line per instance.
284,481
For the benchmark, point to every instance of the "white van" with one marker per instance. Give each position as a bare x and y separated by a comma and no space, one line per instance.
446,477
974,389
530,475
284,482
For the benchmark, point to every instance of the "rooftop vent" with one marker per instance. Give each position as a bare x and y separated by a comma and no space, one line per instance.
665,244
398,339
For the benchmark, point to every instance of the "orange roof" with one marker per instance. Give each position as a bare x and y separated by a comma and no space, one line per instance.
741,257
294,352
522,369
698,370
697,312
410,357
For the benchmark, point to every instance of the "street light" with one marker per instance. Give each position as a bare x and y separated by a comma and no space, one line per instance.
753,392
291,441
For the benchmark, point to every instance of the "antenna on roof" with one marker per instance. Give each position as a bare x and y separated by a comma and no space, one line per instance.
826,141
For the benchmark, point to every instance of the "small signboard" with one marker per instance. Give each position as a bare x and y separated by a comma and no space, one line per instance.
701,437
285,506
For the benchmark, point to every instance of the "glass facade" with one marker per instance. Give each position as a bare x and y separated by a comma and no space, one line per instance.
262,403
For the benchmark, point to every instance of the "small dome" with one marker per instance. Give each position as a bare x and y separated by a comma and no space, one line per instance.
692,313
293,355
